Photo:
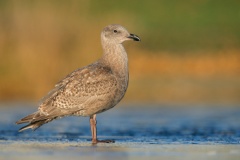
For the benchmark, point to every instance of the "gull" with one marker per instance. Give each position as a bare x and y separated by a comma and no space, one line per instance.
89,90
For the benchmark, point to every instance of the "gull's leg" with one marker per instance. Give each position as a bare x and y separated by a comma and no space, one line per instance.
93,123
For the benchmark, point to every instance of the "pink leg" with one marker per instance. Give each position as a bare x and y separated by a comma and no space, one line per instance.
93,123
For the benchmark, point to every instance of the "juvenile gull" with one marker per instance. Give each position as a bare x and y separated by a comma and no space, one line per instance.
89,90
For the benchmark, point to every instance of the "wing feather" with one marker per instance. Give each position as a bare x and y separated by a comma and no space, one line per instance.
82,92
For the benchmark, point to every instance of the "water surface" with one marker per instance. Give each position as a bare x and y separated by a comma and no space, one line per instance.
140,132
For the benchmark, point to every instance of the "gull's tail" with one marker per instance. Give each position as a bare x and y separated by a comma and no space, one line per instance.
35,120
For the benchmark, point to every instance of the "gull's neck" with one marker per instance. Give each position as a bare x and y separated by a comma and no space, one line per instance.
116,58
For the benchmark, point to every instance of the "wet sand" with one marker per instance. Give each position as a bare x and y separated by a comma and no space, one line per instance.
125,150
140,132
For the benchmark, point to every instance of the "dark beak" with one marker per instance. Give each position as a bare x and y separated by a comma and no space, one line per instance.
134,37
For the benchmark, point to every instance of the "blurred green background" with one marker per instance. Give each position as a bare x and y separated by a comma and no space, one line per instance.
190,50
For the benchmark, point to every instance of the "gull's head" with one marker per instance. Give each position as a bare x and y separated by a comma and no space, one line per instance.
117,34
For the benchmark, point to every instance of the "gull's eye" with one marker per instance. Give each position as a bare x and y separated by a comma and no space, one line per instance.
115,31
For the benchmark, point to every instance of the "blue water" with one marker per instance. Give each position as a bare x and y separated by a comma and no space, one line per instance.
149,124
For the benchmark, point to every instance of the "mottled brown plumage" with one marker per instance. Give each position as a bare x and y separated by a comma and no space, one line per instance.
89,90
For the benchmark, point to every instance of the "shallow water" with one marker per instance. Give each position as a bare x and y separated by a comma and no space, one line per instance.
140,132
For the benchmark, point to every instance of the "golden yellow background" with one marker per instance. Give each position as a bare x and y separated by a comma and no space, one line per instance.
190,50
